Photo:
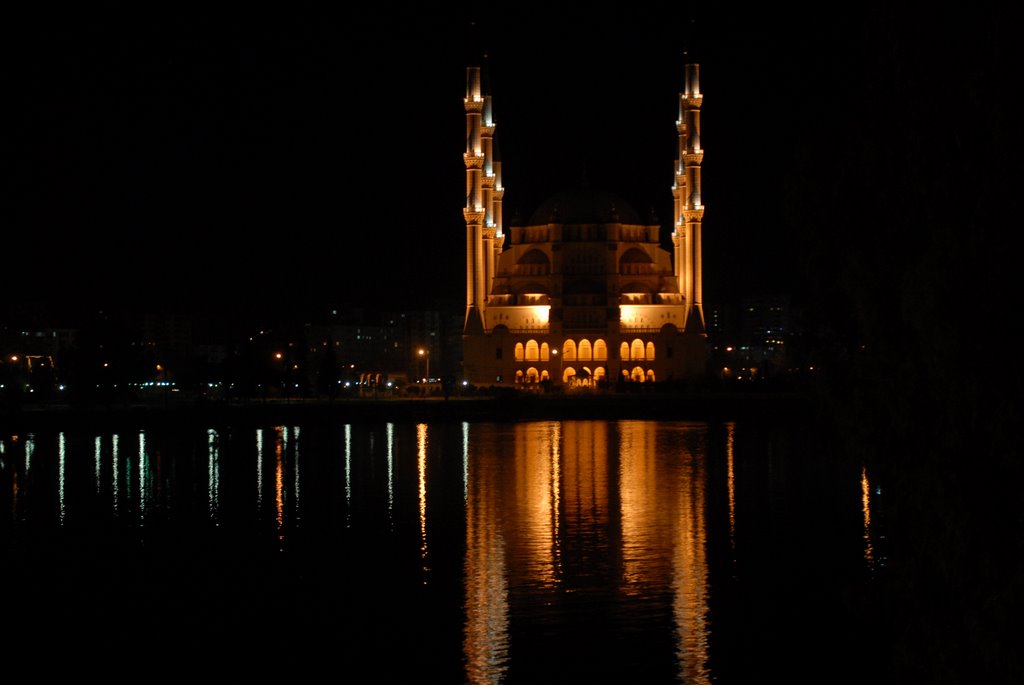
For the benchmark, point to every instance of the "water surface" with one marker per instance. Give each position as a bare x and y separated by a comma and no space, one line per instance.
525,552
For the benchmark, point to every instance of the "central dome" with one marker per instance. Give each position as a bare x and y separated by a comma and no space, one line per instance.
584,206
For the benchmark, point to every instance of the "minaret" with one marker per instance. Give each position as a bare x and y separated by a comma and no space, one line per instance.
492,191
689,209
484,194
474,210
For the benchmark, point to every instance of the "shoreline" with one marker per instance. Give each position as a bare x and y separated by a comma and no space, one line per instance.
677,406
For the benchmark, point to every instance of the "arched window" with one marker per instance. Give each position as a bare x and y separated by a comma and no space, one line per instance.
533,263
600,350
532,351
568,374
531,375
586,376
624,352
637,375
585,354
599,373
636,261
545,353
519,352
636,350
650,375
544,376
569,351
650,351
519,376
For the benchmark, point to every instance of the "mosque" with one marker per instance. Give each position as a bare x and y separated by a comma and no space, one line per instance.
582,293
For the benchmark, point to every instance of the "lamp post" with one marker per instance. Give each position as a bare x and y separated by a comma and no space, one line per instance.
554,353
425,353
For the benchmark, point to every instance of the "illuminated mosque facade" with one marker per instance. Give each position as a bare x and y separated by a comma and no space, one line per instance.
582,293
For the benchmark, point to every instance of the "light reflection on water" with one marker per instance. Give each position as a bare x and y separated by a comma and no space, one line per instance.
213,472
61,465
556,526
564,541
421,474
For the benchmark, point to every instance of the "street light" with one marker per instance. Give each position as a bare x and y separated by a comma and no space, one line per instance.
425,353
554,353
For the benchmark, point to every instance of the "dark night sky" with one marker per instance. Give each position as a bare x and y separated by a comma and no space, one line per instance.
293,159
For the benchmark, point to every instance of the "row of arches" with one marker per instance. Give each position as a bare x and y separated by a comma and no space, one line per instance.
584,351
584,376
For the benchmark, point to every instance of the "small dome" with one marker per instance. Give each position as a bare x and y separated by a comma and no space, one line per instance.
584,206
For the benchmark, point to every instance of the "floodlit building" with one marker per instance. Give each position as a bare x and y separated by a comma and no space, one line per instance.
582,292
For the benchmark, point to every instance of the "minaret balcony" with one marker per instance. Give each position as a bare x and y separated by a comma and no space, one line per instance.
693,158
695,214
487,131
473,161
474,104
487,181
695,100
473,216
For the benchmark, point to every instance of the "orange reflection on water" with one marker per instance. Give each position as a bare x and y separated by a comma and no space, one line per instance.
421,469
585,518
485,638
644,541
865,495
537,495
279,477
730,435
690,576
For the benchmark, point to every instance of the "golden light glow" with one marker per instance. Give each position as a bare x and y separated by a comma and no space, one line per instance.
558,500
421,469
690,577
642,545
865,500
537,516
279,479
730,433
485,640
